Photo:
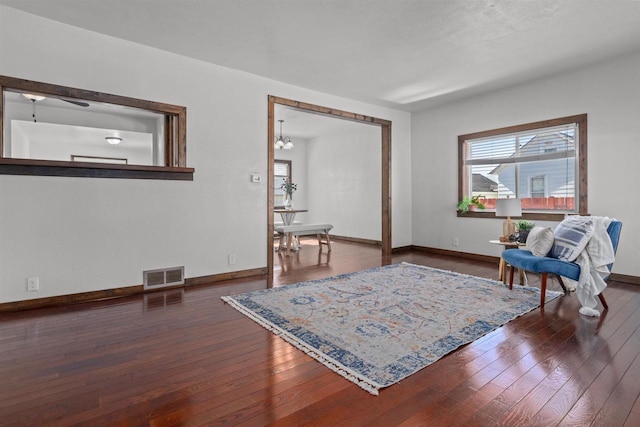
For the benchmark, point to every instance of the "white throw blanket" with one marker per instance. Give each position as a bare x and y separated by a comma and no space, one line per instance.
593,262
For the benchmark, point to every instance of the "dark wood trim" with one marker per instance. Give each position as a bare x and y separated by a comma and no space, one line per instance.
92,170
578,118
529,215
583,173
70,299
87,95
446,252
271,117
329,111
180,127
220,277
175,136
385,159
583,202
126,291
625,278
386,188
402,249
357,240
462,171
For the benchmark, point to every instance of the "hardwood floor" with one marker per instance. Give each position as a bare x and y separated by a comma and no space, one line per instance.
185,358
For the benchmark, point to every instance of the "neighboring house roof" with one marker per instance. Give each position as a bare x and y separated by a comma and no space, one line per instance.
539,144
486,186
483,184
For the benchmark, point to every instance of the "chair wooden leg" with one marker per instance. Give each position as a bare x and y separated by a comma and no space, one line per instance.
600,296
564,288
543,289
603,301
281,243
289,239
326,242
511,270
502,273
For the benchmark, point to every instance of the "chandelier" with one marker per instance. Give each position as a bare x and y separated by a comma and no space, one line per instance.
283,143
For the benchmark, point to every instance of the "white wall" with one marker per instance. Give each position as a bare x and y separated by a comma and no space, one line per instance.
338,173
345,178
609,93
85,234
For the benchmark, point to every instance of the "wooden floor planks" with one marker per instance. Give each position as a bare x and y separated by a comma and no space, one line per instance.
197,361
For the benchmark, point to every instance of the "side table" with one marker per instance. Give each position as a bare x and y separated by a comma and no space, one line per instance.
502,266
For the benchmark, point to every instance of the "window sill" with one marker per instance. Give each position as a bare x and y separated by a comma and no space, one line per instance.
528,216
92,170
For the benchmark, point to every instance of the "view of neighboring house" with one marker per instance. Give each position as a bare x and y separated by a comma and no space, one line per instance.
540,170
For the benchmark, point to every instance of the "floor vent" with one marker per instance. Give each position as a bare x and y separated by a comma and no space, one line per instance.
155,279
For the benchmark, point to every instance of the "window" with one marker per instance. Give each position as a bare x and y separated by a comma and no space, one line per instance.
62,131
537,187
281,172
542,163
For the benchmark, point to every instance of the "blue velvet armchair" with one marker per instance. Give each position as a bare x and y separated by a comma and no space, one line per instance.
525,260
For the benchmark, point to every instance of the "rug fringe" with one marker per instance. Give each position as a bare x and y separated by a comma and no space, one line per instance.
348,374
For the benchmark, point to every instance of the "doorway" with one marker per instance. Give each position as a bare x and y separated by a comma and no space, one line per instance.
385,146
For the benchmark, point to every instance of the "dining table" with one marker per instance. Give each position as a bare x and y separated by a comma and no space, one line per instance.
289,215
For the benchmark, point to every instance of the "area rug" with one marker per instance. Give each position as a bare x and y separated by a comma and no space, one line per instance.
378,326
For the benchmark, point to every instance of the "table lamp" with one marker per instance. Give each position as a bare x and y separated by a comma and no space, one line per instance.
508,208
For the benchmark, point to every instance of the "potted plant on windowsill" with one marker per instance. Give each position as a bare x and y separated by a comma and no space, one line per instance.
467,204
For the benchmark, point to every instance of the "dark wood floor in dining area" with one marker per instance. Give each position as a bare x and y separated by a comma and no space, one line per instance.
184,358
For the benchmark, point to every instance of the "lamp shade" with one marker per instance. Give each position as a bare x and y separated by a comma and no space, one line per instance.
508,207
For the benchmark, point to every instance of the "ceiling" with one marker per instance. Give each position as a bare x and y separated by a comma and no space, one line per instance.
404,54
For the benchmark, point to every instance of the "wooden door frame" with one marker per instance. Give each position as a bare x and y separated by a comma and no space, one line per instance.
385,136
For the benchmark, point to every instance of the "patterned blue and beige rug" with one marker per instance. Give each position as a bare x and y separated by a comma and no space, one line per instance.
378,326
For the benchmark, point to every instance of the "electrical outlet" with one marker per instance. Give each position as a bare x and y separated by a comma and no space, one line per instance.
455,242
232,259
33,284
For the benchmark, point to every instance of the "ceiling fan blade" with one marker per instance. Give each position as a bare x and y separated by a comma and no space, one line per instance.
79,103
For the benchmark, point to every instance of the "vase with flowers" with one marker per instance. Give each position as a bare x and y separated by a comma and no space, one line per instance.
288,188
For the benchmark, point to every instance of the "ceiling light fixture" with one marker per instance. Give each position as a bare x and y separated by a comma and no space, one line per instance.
283,143
113,140
33,99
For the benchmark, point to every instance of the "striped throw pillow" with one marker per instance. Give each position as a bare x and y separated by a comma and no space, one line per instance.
571,237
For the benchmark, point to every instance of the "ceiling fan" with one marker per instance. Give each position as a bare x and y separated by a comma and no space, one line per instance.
35,98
